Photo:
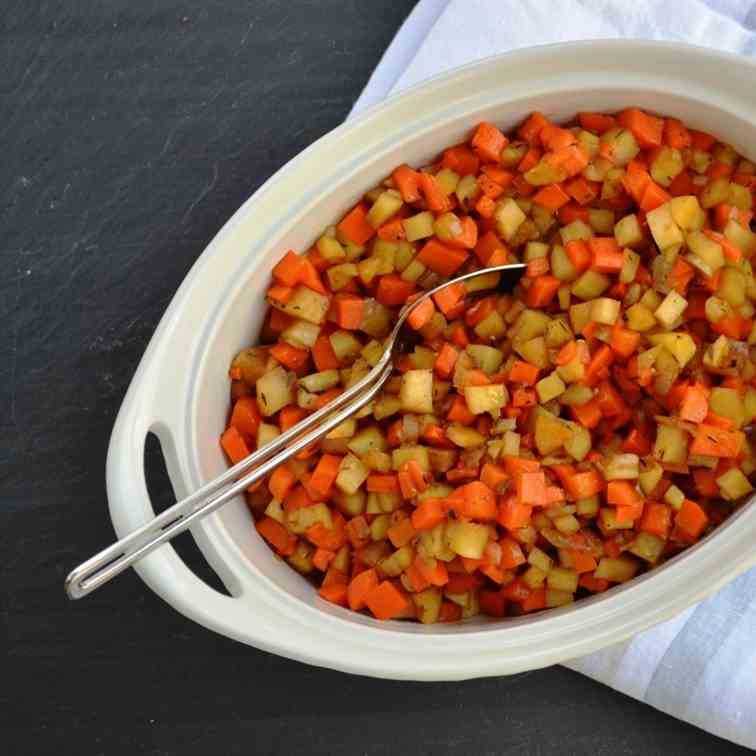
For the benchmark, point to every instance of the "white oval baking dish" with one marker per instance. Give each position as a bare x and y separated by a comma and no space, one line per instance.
180,390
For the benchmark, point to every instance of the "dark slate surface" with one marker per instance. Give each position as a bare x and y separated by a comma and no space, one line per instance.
130,131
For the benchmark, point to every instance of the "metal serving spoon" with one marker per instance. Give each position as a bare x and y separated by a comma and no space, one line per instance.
113,560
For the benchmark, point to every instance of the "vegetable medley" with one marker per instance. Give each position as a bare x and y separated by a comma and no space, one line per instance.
534,448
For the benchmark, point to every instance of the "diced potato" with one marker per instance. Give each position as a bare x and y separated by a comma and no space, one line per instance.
577,230
580,316
539,558
486,358
680,344
428,603
508,218
298,520
253,363
404,454
561,579
275,511
667,164
352,474
549,388
576,395
706,250
649,477
345,344
544,173
330,249
464,437
566,523
340,276
663,228
416,393
671,445
648,547
618,570
733,484
419,226
556,598
717,354
715,192
489,399
561,265
396,563
306,304
727,403
386,406
630,265
322,381
622,467
275,390
350,504
529,324
493,326
573,371
301,334
640,318
367,439
534,577
467,191
699,161
605,310
674,497
413,271
732,286
301,559
687,213
622,145
601,220
447,180
467,539
670,311
741,237
558,332
534,351
343,430
551,433
579,443
266,432
590,285
386,206
667,370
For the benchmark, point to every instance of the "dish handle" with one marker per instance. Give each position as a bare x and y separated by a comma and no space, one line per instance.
130,507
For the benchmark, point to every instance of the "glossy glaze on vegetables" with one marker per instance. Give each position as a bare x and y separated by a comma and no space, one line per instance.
534,448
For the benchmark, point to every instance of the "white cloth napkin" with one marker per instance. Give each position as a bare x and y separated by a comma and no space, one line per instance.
700,666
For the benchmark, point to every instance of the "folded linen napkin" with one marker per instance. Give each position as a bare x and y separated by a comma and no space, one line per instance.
700,666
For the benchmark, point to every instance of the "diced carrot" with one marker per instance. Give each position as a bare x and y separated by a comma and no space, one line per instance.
322,558
531,488
246,416
695,404
554,137
653,197
288,269
492,603
579,254
478,312
336,593
448,298
532,127
450,612
523,372
280,294
676,135
656,519
537,267
485,206
289,416
717,169
290,356
582,190
572,212
598,364
691,520
323,355
636,443
469,236
234,445
488,142
593,584
706,482
552,197
382,483
277,536
421,315
476,501
598,122
428,513
445,361
327,538
493,475
281,482
325,472
582,561
522,397
459,412
279,321
512,514
393,290
628,501
434,195
354,225
682,184
647,130
459,336
441,258
635,180
571,160
435,574
386,601
392,230
542,291
359,587
490,189
535,601
358,531
716,442
581,485
606,254
461,159
529,159
624,341
407,181
588,414
401,533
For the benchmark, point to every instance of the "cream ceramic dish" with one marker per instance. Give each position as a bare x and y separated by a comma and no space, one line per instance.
180,390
